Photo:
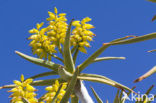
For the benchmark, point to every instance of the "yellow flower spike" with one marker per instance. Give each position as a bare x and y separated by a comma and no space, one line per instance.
23,89
55,10
50,37
52,92
22,78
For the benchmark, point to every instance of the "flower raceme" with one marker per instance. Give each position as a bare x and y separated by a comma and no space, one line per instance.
48,97
47,40
23,90
82,34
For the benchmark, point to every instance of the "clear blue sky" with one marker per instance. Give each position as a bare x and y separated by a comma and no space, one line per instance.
112,19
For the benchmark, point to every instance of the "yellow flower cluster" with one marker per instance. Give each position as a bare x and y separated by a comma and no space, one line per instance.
23,89
82,34
45,40
48,97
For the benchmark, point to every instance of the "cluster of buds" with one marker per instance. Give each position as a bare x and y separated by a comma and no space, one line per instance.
82,34
48,97
45,40
23,90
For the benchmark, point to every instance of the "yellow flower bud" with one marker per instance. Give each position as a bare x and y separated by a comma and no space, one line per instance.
62,14
49,88
87,19
76,23
33,37
22,78
88,26
17,82
82,49
33,31
38,26
30,88
55,10
28,81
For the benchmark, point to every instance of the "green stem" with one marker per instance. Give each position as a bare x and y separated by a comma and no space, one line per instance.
58,58
75,55
73,49
93,56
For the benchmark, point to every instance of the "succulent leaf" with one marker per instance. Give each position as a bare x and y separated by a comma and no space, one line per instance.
41,62
68,60
96,95
70,87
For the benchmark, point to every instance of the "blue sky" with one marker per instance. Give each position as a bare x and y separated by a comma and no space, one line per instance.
112,19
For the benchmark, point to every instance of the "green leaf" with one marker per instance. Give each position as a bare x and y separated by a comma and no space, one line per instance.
117,100
123,38
44,74
57,93
70,87
41,62
149,90
73,49
152,1
75,55
121,94
55,56
68,60
107,58
147,74
147,93
93,56
37,83
103,79
136,39
46,82
96,95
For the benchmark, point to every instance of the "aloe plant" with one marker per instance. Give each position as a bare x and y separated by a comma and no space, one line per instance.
69,42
